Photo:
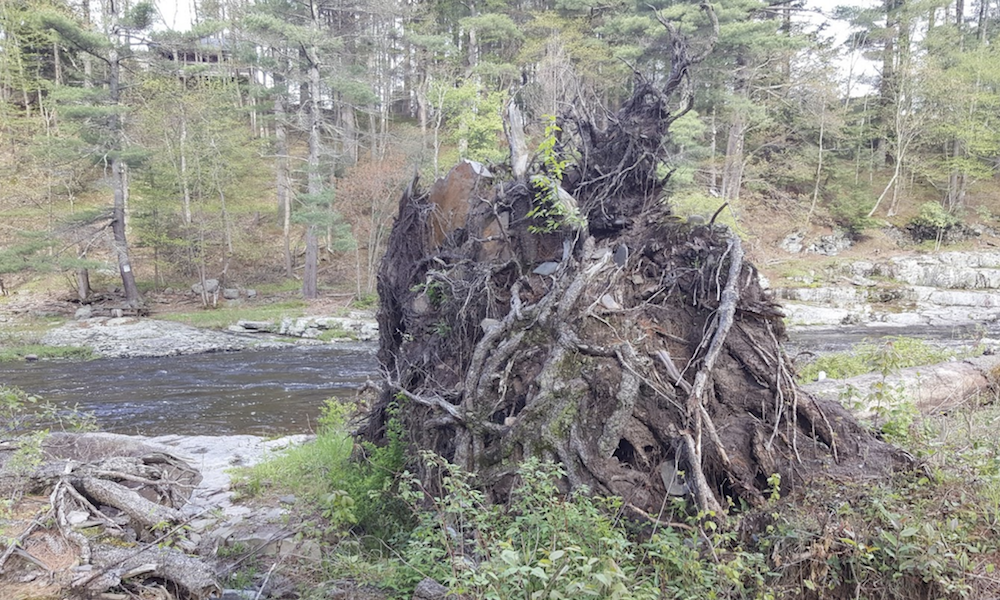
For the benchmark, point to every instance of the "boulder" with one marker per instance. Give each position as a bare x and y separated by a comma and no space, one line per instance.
210,287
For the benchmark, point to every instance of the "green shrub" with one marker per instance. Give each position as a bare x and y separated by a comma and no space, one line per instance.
373,483
22,414
543,544
933,222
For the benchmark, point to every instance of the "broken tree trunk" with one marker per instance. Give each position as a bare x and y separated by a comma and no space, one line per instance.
638,351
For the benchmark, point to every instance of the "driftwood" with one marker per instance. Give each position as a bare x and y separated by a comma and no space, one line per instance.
637,350
99,491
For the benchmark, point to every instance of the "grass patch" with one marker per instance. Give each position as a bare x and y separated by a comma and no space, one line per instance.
898,351
18,352
224,316
335,333
310,471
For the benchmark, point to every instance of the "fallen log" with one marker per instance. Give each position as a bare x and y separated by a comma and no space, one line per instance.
932,388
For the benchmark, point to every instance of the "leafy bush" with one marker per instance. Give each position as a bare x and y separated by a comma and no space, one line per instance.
22,414
543,544
933,222
372,481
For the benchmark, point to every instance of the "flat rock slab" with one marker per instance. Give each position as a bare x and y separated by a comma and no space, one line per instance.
215,456
131,337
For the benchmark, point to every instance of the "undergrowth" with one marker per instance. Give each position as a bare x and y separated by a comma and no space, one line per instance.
931,533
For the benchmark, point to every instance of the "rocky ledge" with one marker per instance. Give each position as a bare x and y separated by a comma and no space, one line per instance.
941,289
133,337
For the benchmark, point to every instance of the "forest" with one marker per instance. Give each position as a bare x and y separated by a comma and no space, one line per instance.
270,141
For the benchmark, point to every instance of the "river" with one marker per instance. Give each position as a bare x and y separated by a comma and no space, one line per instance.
265,392
276,392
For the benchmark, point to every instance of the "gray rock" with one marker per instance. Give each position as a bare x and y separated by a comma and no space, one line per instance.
84,312
428,589
251,294
30,357
211,286
289,499
546,268
231,293
831,245
792,243
132,337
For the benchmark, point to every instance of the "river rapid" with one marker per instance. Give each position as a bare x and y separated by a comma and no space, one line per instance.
272,392
263,392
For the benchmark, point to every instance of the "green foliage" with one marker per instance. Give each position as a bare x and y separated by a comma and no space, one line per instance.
22,414
473,116
373,483
541,544
313,471
932,222
850,207
549,209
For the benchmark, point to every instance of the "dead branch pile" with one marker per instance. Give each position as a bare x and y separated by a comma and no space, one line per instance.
638,351
102,519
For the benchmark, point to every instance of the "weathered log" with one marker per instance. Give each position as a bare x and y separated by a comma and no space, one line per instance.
145,515
189,577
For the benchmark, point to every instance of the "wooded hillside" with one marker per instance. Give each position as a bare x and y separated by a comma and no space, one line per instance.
272,140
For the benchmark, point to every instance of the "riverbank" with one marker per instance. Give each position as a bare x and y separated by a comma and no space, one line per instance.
45,326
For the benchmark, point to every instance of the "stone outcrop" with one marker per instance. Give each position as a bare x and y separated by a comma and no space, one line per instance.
137,337
356,326
947,288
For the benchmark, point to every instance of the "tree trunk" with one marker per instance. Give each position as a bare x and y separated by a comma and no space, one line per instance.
118,184
83,284
315,182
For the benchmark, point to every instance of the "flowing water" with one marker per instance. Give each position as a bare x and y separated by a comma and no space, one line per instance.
272,392
266,392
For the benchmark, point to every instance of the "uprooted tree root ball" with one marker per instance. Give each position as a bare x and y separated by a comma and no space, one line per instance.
566,314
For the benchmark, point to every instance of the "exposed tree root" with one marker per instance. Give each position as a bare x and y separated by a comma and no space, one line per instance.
638,351
102,507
